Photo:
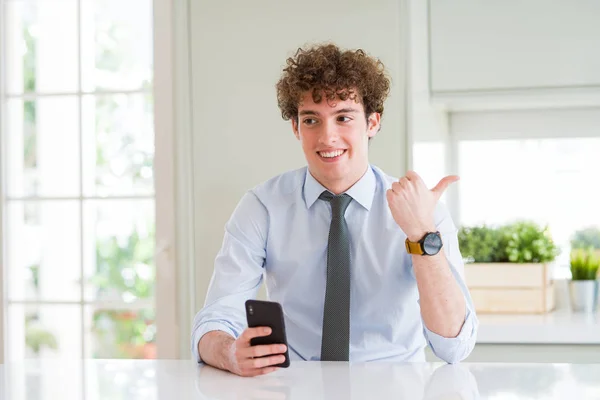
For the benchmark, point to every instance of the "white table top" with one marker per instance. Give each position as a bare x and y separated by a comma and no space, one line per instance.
130,379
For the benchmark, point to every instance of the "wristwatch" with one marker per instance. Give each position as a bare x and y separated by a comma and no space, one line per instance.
429,245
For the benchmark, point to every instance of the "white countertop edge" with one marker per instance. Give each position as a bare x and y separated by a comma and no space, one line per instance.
553,328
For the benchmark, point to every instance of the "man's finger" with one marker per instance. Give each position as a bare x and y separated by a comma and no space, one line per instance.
443,184
261,362
413,176
256,332
265,350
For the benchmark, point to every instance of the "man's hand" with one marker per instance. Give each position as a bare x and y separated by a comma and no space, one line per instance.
442,303
412,204
246,360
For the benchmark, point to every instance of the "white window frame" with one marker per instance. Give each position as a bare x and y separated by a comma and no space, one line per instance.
166,301
174,184
169,319
2,161
543,123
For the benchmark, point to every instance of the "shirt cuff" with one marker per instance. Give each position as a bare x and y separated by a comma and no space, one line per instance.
204,329
457,348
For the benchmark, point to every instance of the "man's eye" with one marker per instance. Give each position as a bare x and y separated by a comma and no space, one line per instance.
309,121
344,119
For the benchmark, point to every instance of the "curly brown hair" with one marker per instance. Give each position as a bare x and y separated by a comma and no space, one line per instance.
326,69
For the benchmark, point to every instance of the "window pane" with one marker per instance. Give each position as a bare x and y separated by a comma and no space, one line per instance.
429,160
117,44
119,250
120,333
550,181
42,147
41,46
44,331
43,250
118,145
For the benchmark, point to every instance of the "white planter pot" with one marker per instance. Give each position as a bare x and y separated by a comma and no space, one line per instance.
584,295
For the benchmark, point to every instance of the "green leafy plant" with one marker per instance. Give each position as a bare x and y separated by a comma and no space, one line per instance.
36,337
584,264
586,238
479,243
519,242
527,242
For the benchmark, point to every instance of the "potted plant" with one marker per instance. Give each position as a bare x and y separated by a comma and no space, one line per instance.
583,288
508,267
527,242
479,244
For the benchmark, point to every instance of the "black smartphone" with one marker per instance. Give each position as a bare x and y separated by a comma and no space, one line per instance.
268,313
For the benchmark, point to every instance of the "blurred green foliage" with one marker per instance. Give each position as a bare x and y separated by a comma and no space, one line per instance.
519,242
586,238
584,264
124,267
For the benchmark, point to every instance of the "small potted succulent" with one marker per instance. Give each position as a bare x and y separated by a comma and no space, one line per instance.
583,287
585,245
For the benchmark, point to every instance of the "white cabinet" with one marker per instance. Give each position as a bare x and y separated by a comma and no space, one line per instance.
513,45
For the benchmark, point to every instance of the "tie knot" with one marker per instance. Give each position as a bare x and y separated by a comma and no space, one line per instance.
339,202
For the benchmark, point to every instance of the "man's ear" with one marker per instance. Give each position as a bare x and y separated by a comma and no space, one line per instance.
295,128
373,124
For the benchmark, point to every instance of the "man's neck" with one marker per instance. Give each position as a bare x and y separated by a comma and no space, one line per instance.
342,186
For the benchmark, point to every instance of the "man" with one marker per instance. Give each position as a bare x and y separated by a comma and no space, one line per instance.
365,266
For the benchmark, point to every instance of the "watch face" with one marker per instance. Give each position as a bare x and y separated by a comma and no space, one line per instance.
432,244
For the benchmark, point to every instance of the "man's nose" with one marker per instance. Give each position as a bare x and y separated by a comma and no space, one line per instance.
329,134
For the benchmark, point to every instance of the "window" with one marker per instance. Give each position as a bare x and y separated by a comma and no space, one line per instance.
538,165
77,177
550,181
429,162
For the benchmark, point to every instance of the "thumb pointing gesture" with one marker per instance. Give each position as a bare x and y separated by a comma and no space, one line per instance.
443,184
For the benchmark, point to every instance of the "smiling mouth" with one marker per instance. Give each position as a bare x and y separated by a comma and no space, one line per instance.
331,155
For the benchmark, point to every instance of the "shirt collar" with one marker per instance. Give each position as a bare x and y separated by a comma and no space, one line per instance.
362,191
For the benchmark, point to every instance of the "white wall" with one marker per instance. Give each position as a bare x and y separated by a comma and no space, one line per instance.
239,139
512,44
426,123
520,124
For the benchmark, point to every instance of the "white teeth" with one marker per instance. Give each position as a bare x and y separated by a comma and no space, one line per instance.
331,154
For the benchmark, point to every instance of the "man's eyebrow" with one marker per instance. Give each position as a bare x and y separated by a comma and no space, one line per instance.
340,111
308,112
346,111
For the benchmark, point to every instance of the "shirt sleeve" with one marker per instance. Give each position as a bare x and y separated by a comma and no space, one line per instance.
237,275
456,349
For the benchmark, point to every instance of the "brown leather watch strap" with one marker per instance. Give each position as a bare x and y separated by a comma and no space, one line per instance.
414,247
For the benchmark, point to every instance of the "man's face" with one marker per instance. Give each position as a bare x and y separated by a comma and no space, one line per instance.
335,138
